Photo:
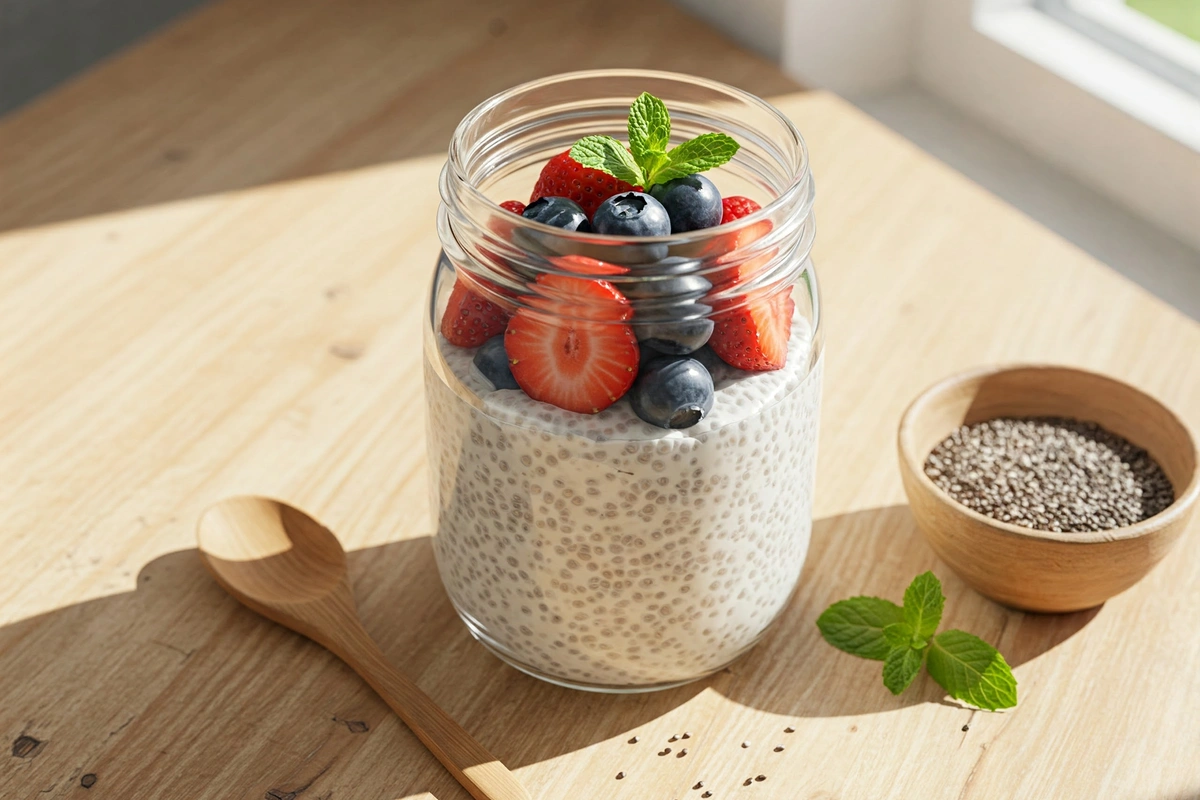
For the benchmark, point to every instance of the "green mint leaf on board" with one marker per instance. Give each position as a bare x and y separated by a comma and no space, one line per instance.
648,161
900,667
968,668
649,130
608,155
856,626
923,603
898,634
971,670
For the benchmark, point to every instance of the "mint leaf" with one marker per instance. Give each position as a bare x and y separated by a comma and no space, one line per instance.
900,667
607,154
647,161
706,151
923,602
856,625
898,634
971,670
649,130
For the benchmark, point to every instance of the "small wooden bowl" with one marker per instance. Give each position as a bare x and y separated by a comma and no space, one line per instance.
1038,570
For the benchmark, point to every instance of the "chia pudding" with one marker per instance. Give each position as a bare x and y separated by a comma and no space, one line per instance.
602,550
623,375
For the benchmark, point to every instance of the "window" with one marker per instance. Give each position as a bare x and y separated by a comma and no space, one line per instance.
1098,88
1156,35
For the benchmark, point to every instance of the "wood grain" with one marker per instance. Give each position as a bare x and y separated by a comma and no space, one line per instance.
245,320
245,93
1042,570
286,566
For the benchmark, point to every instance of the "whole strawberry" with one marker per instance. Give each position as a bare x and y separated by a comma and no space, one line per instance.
563,176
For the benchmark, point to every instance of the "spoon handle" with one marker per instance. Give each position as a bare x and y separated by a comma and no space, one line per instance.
479,772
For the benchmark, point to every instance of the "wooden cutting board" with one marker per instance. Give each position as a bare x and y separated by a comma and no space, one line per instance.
213,251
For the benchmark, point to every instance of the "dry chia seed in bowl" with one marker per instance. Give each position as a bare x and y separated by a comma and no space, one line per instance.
1050,474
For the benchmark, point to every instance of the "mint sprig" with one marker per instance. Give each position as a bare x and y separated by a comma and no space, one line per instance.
647,161
968,668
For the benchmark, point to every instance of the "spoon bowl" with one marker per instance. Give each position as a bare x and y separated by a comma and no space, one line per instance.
270,552
282,563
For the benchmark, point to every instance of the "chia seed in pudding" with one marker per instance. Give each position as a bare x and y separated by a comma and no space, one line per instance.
598,550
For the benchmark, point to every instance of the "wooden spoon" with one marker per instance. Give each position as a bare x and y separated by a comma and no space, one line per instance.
286,566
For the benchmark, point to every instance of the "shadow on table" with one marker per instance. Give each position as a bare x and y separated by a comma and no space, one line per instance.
243,93
178,668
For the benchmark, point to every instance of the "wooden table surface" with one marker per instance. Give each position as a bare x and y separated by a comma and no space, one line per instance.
212,255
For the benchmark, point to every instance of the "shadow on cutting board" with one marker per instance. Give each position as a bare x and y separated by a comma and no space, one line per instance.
175,690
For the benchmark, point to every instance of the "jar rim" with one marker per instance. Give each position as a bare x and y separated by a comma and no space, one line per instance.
799,188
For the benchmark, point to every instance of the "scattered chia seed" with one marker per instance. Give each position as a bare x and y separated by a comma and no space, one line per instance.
620,775
665,751
748,782
1050,474
966,728
779,748
745,745
681,753
789,729
686,735
699,785
634,740
707,794
673,739
761,778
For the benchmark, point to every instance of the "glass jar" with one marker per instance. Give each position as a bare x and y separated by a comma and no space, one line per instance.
594,550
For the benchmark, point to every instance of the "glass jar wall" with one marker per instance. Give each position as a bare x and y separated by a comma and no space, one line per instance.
596,550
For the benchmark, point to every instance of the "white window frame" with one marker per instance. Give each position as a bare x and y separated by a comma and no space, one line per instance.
1079,104
1140,39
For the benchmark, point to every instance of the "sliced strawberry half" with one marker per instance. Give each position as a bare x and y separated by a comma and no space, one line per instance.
587,298
578,365
515,206
470,320
754,336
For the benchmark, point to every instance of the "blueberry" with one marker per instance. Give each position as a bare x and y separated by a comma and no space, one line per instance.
664,291
560,212
677,338
709,358
672,321
692,202
631,214
492,361
672,393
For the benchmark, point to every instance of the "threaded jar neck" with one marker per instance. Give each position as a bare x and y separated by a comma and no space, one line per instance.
499,147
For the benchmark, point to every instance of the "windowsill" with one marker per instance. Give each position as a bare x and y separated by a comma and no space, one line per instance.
1097,70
